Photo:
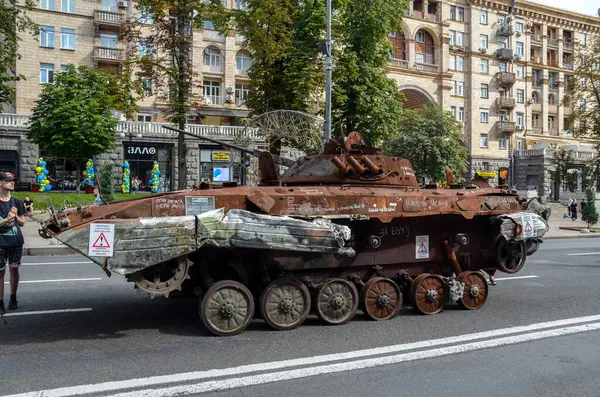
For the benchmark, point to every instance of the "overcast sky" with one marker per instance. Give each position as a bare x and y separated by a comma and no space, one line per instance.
589,7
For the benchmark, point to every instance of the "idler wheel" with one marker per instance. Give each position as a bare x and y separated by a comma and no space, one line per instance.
226,308
381,298
428,293
285,303
336,301
476,290
511,255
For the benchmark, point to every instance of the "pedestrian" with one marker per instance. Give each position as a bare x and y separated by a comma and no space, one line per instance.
574,210
490,275
12,218
98,199
136,185
28,206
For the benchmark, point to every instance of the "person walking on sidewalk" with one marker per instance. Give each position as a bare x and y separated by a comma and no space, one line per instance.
574,210
12,218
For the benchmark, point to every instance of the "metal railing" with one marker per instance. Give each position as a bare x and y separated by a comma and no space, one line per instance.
399,63
505,78
108,54
214,99
552,42
213,35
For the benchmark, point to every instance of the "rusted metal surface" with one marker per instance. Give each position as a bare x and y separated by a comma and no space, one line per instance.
333,224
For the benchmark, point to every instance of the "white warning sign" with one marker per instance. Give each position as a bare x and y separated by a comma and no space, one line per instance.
102,237
527,224
422,247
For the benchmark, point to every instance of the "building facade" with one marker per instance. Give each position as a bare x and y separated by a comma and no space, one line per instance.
504,82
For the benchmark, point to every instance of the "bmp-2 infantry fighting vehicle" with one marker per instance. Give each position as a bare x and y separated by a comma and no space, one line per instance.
339,231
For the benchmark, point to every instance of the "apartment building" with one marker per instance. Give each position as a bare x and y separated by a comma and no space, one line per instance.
505,82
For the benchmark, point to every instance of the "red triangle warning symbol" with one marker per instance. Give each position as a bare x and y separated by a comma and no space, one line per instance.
422,247
101,242
528,228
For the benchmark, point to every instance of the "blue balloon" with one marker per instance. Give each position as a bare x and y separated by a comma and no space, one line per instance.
43,164
47,188
45,172
40,178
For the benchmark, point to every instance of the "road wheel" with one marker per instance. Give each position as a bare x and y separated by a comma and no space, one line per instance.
227,308
381,298
475,292
428,293
285,304
336,301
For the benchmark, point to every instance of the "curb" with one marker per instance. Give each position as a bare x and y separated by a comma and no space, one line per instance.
47,251
570,237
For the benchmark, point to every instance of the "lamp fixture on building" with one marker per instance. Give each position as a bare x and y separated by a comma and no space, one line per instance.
130,134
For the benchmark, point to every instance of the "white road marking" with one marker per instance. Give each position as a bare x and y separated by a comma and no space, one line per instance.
584,254
515,278
61,280
244,381
53,263
34,313
115,386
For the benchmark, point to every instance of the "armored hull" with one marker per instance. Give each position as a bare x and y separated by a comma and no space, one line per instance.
337,231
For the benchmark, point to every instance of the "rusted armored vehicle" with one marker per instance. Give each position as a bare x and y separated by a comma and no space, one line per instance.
345,230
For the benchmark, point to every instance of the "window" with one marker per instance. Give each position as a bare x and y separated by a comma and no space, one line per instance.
460,38
483,41
243,62
145,16
484,66
457,13
483,18
502,143
520,95
485,91
461,114
453,111
144,118
458,88
46,73
503,115
212,58
502,43
420,38
47,36
521,143
67,39
240,5
582,38
212,92
457,63
47,4
209,25
502,92
146,83
502,66
241,93
519,48
535,120
453,13
144,47
108,40
64,68
501,21
520,69
68,6
519,27
483,140
520,119
461,14
484,115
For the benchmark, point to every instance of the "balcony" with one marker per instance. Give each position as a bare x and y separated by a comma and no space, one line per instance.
108,55
507,127
553,62
536,107
568,45
426,67
505,31
425,17
108,19
553,131
398,63
214,100
213,68
552,109
536,130
506,78
504,54
552,42
213,35
243,72
506,102
536,39
536,59
569,65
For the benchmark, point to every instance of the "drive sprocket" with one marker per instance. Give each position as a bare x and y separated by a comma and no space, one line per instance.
163,278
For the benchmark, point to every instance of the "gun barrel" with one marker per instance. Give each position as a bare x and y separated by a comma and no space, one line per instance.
278,159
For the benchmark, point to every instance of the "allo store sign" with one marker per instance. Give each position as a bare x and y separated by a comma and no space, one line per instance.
140,152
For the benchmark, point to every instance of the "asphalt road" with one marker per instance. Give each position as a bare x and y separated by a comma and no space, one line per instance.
77,329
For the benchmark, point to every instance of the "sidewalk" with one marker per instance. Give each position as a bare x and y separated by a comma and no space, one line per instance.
38,246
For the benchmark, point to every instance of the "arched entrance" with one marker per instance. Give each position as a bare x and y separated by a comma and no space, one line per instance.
416,97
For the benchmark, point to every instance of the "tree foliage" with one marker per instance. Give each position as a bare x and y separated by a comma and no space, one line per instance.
561,162
13,23
73,117
589,213
431,139
364,97
584,93
107,181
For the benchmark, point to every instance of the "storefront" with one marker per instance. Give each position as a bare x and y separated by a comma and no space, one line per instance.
141,158
62,173
9,161
218,165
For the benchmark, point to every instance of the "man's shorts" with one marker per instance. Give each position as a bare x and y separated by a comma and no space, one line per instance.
10,256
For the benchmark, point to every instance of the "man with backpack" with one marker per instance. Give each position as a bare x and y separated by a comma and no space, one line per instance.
12,218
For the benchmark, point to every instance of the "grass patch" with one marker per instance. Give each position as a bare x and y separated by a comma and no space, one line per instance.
580,228
41,200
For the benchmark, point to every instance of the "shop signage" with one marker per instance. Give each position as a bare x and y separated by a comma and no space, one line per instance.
143,150
220,155
486,174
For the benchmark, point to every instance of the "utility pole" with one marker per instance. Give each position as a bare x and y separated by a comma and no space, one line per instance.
328,75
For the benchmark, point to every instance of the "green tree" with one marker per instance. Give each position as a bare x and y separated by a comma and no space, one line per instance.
561,161
431,139
13,23
73,117
583,93
364,97
107,181
589,213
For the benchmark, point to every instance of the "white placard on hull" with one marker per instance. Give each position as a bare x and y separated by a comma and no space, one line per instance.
527,224
422,247
102,237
